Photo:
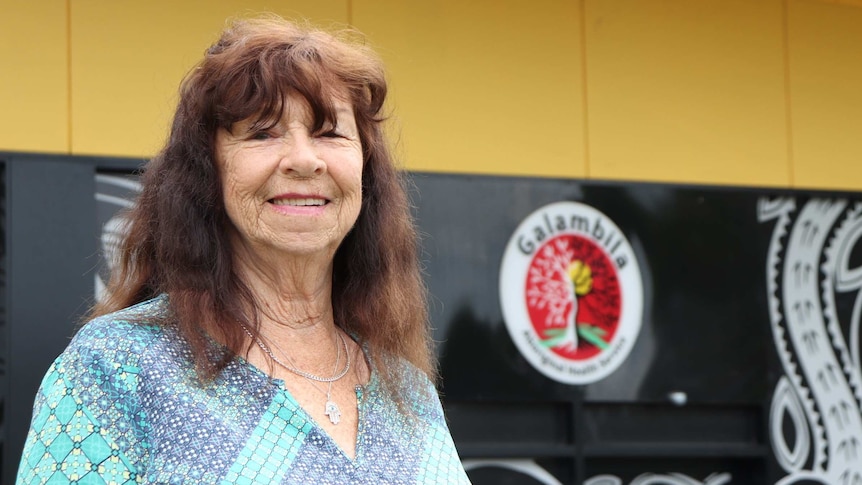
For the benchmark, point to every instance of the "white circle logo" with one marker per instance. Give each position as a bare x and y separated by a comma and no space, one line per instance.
571,292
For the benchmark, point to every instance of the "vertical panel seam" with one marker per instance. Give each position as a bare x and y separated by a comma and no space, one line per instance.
69,77
350,13
584,97
788,111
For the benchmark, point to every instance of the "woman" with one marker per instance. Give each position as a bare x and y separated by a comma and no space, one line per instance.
267,321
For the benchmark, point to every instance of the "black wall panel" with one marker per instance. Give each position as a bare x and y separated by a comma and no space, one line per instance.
706,395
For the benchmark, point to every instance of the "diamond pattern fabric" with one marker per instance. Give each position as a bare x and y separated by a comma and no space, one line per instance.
123,404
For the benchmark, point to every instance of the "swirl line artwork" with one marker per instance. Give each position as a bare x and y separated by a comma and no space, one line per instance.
530,469
815,417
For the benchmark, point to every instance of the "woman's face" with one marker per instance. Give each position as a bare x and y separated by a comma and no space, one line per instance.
287,190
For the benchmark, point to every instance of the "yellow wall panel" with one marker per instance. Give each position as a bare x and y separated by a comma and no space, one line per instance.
483,86
33,76
825,67
714,91
687,91
128,59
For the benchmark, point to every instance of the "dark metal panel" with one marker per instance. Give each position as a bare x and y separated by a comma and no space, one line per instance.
51,240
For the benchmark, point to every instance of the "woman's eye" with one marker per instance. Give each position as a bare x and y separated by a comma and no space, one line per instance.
261,135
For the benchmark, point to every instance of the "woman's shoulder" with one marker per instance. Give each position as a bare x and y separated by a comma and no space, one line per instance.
125,333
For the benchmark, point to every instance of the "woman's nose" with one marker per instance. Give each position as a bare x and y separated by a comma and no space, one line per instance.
300,157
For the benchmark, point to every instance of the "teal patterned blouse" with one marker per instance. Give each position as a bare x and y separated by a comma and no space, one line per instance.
123,404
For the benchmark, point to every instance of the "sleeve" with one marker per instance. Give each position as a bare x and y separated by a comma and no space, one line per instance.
82,431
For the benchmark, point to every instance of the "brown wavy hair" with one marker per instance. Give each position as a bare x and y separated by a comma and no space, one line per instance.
178,241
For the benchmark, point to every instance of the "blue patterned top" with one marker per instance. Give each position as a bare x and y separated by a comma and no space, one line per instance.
123,404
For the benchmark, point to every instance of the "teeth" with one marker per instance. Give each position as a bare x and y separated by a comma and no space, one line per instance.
299,202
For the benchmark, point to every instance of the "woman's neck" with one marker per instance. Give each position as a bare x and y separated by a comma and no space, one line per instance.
293,299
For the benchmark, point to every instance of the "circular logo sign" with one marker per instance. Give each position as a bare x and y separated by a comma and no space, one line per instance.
571,292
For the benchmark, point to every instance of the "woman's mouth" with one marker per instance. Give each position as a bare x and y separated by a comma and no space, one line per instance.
299,202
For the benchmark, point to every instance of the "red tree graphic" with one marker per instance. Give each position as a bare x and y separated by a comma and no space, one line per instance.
574,319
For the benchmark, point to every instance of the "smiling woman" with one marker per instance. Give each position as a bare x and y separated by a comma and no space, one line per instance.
266,322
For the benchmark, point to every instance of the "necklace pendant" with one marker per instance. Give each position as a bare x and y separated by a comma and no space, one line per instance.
333,412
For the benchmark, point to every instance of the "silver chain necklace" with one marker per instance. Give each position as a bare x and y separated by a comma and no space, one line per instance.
331,409
301,372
